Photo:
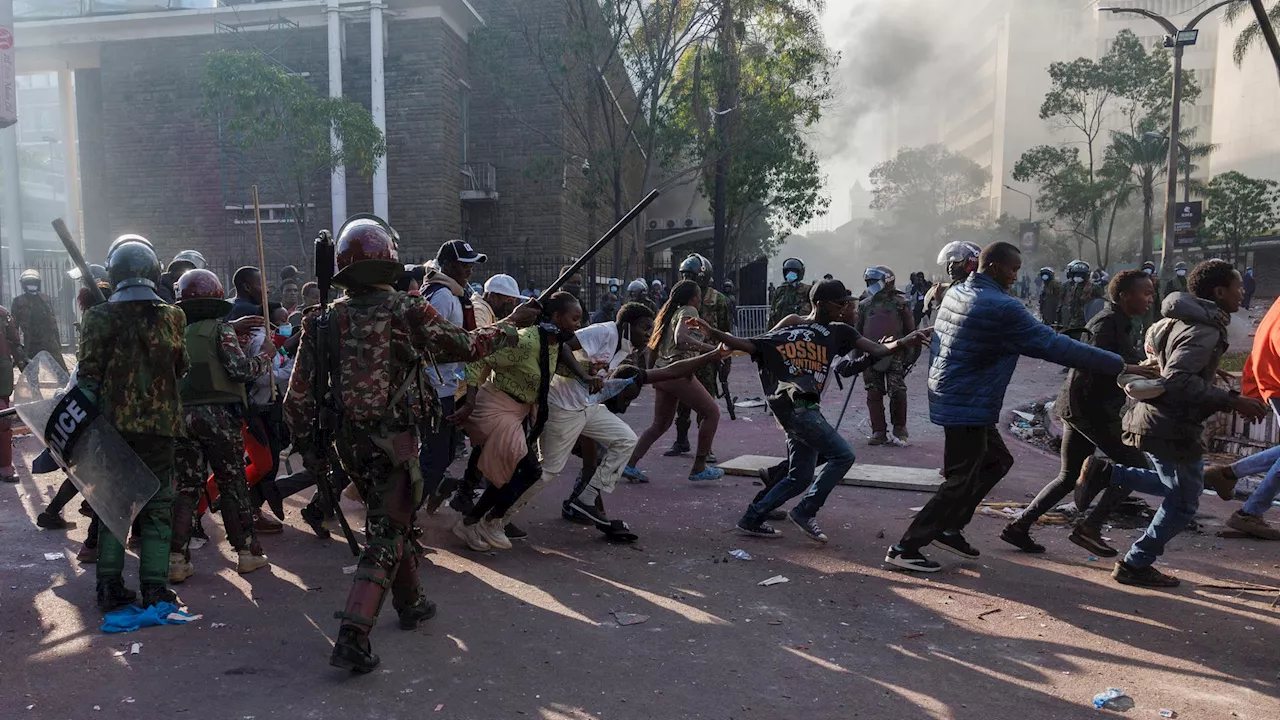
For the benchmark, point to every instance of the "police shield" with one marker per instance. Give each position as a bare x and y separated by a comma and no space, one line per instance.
110,475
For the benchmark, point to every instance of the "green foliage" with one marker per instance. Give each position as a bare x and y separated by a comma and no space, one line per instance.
928,192
1240,208
281,124
782,67
1252,33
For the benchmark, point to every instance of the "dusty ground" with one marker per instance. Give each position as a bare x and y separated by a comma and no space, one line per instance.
529,633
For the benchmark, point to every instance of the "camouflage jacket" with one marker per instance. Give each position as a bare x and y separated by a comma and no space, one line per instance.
11,353
34,313
415,329
789,299
131,357
1075,298
715,310
1050,300
239,367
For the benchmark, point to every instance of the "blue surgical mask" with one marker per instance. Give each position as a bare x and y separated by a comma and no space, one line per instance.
1181,273
285,330
1148,271
30,289
790,276
1077,279
1044,276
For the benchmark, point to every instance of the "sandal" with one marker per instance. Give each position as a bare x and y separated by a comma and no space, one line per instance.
708,473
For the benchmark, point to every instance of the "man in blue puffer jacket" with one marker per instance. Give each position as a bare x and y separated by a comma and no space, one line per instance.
980,332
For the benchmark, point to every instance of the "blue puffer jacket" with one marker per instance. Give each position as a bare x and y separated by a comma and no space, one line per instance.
980,332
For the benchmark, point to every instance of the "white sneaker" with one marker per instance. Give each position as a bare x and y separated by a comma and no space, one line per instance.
470,534
491,529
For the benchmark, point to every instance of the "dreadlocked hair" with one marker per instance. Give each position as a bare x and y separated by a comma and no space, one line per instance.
682,294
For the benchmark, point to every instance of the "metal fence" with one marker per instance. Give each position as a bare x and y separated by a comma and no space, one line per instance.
752,320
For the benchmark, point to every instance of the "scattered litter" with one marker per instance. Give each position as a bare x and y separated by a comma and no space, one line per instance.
349,570
775,580
1168,713
197,543
775,622
119,653
916,509
1024,415
54,556
912,636
28,565
749,403
135,649
128,700
135,618
740,554
630,618
1019,617
97,707
439,707
1093,559
880,535
985,613
1113,699
215,626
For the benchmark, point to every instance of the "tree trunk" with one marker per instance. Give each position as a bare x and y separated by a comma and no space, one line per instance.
1148,241
727,99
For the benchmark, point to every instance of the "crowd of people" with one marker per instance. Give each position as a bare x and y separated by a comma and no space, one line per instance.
377,389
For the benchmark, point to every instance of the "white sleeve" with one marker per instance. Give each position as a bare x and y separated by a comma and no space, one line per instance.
598,339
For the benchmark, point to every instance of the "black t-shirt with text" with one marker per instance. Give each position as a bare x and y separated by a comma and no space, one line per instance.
794,361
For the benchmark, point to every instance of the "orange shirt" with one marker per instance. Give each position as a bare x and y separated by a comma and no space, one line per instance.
1262,370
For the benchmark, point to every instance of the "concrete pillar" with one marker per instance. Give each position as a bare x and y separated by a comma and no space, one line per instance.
338,177
378,103
11,205
70,153
92,161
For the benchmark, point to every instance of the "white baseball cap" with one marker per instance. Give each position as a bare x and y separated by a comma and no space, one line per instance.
503,285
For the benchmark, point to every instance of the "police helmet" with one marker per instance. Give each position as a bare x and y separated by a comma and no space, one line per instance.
637,285
960,251
795,265
367,253
695,265
1077,267
191,259
127,237
1047,271
133,271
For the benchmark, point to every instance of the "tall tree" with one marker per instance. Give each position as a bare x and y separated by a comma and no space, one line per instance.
281,125
1240,208
928,192
1144,159
1252,33
1081,188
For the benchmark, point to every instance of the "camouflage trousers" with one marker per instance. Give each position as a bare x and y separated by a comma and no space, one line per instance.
388,561
212,439
893,383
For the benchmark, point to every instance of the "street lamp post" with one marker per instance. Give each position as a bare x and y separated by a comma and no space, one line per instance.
1030,203
1176,39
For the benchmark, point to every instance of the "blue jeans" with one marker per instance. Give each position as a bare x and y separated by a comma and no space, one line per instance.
1267,461
1180,484
808,435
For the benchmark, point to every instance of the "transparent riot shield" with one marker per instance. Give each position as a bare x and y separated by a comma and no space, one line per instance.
110,475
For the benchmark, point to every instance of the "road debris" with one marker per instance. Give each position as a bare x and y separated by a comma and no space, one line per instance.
775,580
624,618
1113,699
740,554
135,649
985,613
55,556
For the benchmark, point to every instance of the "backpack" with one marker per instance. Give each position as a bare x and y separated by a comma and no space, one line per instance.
468,308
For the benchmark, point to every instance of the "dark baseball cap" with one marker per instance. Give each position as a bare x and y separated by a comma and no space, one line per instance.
830,291
460,251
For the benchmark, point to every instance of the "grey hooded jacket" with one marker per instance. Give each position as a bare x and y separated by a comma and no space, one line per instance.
1189,341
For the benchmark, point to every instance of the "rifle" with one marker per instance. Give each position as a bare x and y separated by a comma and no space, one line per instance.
728,397
327,415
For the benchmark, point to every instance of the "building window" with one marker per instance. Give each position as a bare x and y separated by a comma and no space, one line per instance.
271,213
464,114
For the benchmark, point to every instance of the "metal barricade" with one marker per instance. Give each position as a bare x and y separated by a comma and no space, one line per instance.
752,320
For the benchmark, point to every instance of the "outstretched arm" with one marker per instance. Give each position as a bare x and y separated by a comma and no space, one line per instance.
687,367
871,347
732,341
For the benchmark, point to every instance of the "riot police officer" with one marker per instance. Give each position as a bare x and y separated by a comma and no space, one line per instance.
960,259
1076,294
1050,296
886,313
792,297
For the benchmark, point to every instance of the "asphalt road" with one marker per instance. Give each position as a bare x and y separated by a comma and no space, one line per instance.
532,632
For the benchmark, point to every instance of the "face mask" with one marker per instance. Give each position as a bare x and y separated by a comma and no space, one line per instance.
1147,271
1077,279
284,330
1181,273
1044,277
790,276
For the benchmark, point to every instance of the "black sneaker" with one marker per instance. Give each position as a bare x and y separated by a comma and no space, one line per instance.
1126,574
678,447
588,510
514,533
197,529
1095,476
1090,538
955,543
1018,537
112,595
353,652
463,502
416,614
570,513
315,520
809,526
53,521
912,560
760,529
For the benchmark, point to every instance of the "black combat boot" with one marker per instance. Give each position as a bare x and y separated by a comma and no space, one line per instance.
155,595
416,614
314,518
353,652
112,595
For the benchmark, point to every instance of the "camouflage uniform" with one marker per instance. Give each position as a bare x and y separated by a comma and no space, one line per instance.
1075,298
213,437
34,313
1050,302
379,339
10,360
131,356
1175,284
789,299
884,314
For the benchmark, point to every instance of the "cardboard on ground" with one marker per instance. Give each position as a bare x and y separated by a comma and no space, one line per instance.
878,476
